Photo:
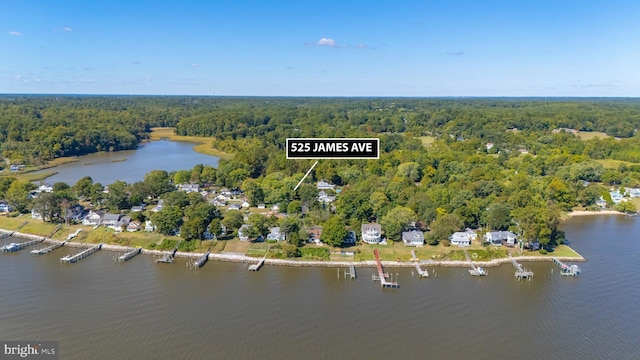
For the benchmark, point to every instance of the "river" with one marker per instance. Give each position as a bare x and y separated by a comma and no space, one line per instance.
131,165
98,309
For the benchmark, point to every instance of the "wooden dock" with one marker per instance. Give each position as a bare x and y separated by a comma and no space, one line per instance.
475,270
419,271
521,272
128,255
168,258
199,262
48,249
382,277
81,255
19,246
258,265
567,270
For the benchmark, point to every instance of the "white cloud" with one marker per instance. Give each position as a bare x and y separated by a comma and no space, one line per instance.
15,33
196,65
326,42
67,29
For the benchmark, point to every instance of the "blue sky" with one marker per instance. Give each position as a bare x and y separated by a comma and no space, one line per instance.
328,48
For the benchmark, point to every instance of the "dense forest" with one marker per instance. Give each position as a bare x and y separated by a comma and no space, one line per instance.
445,163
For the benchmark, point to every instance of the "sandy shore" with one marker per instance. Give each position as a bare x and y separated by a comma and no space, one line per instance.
588,213
240,258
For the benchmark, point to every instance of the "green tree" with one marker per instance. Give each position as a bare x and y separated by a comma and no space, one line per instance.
295,207
291,226
158,182
48,205
396,221
443,227
259,224
168,219
194,228
253,191
176,198
18,195
118,197
334,231
84,187
232,220
215,227
498,216
182,177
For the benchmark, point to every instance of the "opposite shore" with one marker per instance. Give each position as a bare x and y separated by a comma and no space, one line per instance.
241,258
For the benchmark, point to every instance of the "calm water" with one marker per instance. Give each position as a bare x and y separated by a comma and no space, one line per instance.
107,167
97,309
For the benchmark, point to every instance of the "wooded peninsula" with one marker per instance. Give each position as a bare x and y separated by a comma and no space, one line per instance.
446,164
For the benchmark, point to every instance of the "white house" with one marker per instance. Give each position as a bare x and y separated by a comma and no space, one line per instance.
371,233
110,220
323,185
275,234
35,214
460,238
138,208
413,238
134,226
93,218
616,197
189,187
159,206
45,188
497,237
601,202
148,226
323,197
633,192
5,207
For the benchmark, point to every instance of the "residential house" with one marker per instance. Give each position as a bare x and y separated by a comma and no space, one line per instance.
134,226
633,192
243,232
275,208
15,168
489,146
219,201
602,203
323,197
472,234
351,238
497,237
460,238
148,226
315,234
261,206
245,204
616,197
75,213
5,207
371,233
235,207
189,188
226,193
275,234
93,218
110,220
159,206
323,185
413,238
35,214
44,188
122,223
138,208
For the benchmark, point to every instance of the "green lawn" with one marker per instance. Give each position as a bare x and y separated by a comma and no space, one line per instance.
614,164
589,135
427,140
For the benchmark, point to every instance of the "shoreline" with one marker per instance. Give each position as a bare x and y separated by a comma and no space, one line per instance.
240,258
579,213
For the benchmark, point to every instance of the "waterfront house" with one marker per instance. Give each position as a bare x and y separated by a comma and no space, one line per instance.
122,223
351,239
75,213
602,203
243,232
93,218
315,234
134,226
159,206
189,188
413,238
35,214
460,238
323,185
616,197
633,192
472,234
110,220
5,207
148,226
44,188
371,233
497,237
275,234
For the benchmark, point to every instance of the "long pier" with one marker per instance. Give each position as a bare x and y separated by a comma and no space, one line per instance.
19,246
258,265
421,273
521,272
81,255
196,264
475,270
382,277
567,270
128,255
48,249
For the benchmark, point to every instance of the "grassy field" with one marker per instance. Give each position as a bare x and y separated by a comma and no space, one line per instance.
614,164
204,143
427,140
589,135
